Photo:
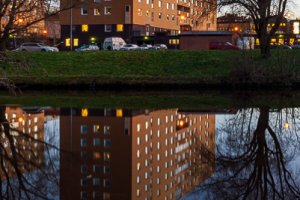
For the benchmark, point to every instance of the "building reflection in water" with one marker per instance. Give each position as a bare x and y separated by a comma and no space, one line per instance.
26,151
134,154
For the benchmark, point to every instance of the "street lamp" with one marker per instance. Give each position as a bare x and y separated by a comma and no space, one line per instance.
71,26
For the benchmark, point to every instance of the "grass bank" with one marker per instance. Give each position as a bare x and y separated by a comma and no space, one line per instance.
142,69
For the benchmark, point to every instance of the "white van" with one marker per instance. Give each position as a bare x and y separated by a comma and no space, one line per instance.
113,43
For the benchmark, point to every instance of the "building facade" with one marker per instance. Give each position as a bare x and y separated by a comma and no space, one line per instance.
90,21
121,154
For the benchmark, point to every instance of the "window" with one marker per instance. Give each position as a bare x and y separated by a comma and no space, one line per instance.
107,10
138,153
96,142
106,170
97,11
96,195
96,128
138,127
83,129
83,181
96,168
107,143
35,120
106,156
158,121
75,42
138,166
106,182
96,155
120,27
84,28
138,140
97,1
159,4
96,181
119,112
83,195
106,130
168,5
83,169
84,11
140,12
107,28
83,142
138,179
106,196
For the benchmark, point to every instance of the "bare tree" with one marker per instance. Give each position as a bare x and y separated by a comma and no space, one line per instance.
18,15
251,161
28,164
261,12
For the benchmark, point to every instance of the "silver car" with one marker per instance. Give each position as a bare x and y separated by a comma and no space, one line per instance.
91,47
32,46
129,47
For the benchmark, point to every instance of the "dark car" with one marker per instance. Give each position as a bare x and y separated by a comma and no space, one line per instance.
222,45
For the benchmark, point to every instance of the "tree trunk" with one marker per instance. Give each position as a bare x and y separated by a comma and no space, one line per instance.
3,41
265,46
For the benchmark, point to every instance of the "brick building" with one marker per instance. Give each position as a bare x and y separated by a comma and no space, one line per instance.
121,154
136,20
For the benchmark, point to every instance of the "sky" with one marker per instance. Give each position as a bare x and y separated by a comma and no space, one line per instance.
296,9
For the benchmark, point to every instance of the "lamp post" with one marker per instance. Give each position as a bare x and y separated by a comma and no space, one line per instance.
71,26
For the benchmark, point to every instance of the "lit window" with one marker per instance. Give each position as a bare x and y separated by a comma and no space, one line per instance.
159,4
96,155
96,128
137,179
120,27
119,112
137,192
158,121
159,15
84,11
107,10
97,11
138,127
68,42
106,130
107,28
138,153
106,156
75,42
140,12
138,140
84,28
138,166
168,5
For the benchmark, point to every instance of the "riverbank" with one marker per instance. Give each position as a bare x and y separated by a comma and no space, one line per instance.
151,69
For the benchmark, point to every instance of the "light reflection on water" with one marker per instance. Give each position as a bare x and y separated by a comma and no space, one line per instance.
85,153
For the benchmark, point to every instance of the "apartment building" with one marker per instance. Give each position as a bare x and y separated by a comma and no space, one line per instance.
27,131
90,21
134,154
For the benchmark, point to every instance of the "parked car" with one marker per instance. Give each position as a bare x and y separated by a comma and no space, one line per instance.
222,45
159,47
90,47
113,43
280,46
129,47
296,45
33,46
144,47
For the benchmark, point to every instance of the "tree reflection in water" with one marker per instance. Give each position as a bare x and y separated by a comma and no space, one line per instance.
252,161
28,163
